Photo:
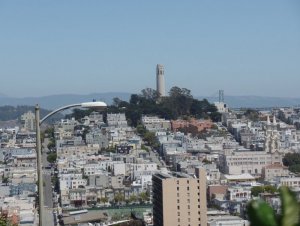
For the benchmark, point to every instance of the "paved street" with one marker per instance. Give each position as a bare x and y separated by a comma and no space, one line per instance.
48,201
155,157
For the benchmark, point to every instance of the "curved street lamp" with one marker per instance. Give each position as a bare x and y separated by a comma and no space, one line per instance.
97,105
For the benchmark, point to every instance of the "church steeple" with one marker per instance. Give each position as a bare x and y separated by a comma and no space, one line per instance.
274,120
272,138
268,120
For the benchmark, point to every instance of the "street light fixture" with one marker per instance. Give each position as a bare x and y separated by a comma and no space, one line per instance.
97,105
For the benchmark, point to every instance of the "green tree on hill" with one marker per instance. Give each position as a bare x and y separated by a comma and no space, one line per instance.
179,103
119,197
252,114
255,191
52,157
292,160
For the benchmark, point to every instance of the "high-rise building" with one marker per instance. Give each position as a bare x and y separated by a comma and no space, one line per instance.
160,80
179,199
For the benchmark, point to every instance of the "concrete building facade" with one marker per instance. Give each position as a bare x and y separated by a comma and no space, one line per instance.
245,161
179,199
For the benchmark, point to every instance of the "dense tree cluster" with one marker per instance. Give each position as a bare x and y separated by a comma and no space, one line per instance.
79,113
255,191
52,157
292,160
149,137
179,103
252,114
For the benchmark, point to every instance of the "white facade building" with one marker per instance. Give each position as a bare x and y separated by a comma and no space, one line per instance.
239,162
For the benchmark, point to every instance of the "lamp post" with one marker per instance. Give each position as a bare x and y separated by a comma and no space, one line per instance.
97,105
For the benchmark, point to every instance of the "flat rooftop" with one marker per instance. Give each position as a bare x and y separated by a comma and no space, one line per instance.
90,216
172,175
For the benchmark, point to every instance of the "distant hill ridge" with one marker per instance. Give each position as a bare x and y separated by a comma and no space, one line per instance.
8,113
55,101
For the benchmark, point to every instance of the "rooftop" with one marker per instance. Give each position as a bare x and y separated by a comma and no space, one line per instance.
91,216
245,176
172,175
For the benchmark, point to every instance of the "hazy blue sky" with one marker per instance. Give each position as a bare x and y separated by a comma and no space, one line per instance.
244,47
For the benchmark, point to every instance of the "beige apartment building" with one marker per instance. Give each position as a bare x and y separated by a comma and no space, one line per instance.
179,199
252,162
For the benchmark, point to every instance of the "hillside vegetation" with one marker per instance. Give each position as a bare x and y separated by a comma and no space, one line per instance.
14,113
178,104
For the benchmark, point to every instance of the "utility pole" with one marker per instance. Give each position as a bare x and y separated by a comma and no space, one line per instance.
39,165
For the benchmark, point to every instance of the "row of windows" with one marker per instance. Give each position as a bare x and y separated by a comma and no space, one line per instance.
252,159
188,188
247,163
189,220
187,181
188,194
188,200
178,208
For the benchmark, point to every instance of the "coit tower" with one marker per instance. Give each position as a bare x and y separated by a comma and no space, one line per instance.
160,80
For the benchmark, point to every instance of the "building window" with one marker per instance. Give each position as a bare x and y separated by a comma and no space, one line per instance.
188,188
177,188
178,207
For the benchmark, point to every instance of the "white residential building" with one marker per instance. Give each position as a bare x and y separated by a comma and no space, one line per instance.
119,168
238,193
245,161
135,168
156,124
291,182
116,120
